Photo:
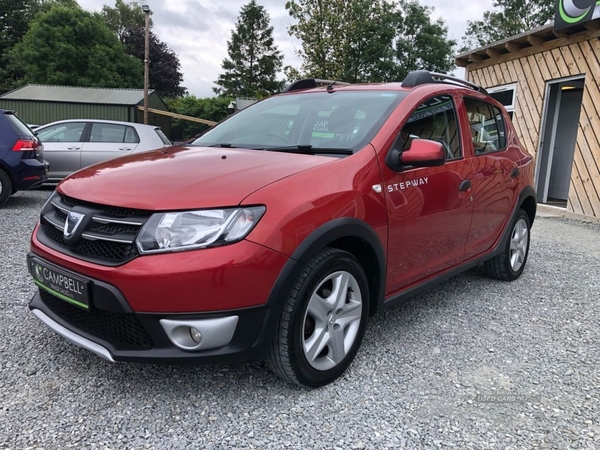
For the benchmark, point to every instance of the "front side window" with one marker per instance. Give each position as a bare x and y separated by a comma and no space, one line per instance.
434,119
345,120
64,132
486,124
108,132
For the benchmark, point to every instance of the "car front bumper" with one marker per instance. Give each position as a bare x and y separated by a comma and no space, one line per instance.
179,308
226,337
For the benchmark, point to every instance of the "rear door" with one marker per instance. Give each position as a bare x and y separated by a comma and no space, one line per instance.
429,207
62,147
495,189
108,141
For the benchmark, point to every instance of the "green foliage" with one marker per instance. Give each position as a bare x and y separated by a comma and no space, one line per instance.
69,46
510,17
367,40
124,17
128,22
254,60
423,44
214,108
15,16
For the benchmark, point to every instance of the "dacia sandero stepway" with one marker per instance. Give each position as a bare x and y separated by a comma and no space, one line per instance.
278,233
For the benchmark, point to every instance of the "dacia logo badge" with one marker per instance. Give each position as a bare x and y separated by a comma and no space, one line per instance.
72,222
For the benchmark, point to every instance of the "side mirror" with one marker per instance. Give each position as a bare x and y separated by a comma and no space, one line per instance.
422,153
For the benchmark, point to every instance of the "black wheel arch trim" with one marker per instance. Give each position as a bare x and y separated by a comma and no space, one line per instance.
320,238
526,193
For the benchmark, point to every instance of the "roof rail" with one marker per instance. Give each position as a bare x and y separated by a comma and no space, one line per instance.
419,77
310,83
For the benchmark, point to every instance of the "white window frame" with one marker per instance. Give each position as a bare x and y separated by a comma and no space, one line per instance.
506,87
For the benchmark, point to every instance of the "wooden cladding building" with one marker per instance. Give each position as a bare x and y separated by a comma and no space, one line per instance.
549,81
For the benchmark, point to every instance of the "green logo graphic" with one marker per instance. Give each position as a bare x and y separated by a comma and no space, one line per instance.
570,13
38,273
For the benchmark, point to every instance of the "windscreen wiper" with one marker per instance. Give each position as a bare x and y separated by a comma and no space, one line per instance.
310,150
222,145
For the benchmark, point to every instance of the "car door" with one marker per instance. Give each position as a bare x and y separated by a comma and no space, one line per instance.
429,208
495,188
62,147
107,141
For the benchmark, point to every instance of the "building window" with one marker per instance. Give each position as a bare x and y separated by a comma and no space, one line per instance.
507,95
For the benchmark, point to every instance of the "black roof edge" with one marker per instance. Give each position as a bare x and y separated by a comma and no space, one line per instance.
310,83
419,77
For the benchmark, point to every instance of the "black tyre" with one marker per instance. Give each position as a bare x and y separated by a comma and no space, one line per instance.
510,263
323,320
5,187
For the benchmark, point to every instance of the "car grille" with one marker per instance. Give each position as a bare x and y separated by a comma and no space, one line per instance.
123,331
107,239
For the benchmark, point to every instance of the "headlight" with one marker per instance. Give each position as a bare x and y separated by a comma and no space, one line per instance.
188,230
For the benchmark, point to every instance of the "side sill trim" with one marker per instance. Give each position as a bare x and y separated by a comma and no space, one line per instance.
72,337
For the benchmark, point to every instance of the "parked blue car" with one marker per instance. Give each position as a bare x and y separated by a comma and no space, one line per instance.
22,164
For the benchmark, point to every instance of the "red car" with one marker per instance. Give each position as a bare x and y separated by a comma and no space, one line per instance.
278,233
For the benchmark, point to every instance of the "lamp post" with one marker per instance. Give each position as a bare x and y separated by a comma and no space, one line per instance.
146,10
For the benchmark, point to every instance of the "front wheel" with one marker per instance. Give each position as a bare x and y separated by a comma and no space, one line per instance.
323,320
510,263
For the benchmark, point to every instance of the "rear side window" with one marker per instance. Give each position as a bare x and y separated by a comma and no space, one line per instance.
434,119
109,132
21,129
487,126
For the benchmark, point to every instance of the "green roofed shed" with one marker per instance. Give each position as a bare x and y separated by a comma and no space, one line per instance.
40,104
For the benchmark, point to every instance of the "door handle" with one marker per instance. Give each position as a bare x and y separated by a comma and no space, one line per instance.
465,185
73,148
125,149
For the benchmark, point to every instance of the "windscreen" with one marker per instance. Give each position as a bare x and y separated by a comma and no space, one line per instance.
317,120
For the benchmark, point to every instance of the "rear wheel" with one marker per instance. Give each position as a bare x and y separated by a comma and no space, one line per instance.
510,263
323,320
6,189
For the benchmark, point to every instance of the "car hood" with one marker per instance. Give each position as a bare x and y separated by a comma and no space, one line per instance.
184,177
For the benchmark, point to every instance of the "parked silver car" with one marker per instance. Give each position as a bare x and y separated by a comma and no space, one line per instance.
70,145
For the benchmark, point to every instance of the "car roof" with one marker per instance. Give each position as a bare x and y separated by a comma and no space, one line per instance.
115,122
413,80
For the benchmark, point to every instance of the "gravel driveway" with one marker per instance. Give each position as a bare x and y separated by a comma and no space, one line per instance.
474,363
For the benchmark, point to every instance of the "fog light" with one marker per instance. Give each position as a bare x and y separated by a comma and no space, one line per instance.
195,335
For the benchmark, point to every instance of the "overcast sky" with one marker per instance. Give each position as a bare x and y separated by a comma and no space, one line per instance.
198,31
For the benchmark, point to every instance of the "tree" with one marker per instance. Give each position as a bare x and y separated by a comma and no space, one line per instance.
254,60
127,21
164,71
69,46
368,40
512,17
351,41
124,17
423,44
15,16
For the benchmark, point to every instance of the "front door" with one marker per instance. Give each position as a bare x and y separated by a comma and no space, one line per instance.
429,210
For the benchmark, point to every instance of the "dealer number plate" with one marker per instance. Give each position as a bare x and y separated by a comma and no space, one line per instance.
60,282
